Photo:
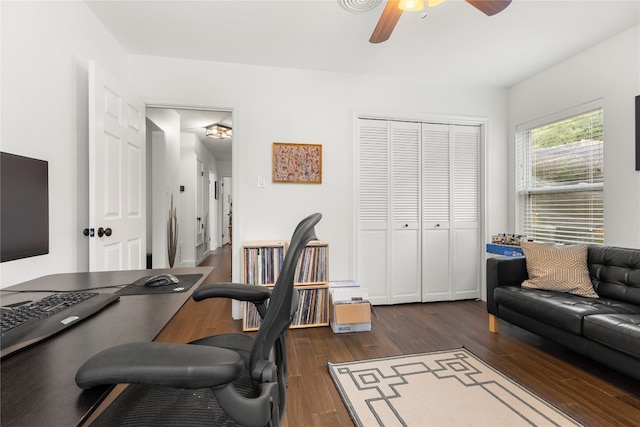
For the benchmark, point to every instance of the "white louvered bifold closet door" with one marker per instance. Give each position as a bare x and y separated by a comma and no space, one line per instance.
466,212
388,242
436,212
450,212
372,179
417,211
405,212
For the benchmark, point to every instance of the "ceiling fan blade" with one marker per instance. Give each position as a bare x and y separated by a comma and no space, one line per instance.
489,7
387,22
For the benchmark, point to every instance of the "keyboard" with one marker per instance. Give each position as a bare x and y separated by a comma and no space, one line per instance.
25,324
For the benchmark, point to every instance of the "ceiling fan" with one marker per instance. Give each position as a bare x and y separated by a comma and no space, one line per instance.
394,8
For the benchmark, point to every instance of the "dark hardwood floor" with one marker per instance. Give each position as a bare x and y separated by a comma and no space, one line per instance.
591,393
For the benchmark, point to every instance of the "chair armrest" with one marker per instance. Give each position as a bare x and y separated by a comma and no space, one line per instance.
163,364
238,291
504,271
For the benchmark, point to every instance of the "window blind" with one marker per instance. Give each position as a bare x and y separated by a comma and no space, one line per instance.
560,177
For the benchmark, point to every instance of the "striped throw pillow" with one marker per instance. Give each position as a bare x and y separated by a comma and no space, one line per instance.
561,268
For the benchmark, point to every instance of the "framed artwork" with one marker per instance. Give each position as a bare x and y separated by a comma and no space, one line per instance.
299,163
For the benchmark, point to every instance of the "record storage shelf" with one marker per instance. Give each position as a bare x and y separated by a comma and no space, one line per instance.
261,263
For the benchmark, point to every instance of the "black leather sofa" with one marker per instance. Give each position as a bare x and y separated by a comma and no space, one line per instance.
606,329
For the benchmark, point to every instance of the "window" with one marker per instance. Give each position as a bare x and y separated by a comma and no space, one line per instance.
560,177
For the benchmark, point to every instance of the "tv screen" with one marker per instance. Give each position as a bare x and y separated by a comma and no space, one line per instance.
24,207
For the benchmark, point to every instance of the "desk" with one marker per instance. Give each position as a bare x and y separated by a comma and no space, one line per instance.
38,383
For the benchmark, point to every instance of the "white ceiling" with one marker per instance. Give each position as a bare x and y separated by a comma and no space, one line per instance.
195,121
452,43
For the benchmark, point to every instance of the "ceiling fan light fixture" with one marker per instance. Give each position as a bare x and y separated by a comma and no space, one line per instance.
218,131
395,8
411,5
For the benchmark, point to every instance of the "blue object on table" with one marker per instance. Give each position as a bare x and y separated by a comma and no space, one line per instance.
505,250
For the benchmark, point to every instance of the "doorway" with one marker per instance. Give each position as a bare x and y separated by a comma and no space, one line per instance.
187,165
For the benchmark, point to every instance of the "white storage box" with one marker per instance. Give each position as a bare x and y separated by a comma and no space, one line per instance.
350,310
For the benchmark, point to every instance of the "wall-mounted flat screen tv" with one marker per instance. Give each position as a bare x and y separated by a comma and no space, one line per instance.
24,207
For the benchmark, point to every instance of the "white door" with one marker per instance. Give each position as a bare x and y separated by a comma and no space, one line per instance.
116,175
417,210
388,179
213,204
451,208
373,201
436,211
227,210
405,212
200,189
466,212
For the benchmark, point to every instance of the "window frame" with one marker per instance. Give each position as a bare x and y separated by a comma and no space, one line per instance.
523,187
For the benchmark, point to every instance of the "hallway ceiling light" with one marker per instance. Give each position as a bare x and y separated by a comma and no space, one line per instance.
218,131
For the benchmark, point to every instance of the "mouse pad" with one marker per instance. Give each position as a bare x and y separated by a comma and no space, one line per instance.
186,281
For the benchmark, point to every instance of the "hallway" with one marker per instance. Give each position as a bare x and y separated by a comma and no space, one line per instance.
220,260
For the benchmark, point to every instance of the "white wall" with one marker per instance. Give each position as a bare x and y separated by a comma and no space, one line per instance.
284,105
187,202
210,164
164,171
611,71
45,50
192,151
224,168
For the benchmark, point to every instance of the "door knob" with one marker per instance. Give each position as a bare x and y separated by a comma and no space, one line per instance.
104,232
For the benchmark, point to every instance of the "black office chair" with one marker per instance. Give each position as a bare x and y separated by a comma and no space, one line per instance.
247,376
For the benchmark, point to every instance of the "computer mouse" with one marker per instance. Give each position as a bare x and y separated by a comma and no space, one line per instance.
161,280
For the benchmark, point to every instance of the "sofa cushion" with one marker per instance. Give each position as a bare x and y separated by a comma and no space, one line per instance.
558,268
619,331
615,272
562,310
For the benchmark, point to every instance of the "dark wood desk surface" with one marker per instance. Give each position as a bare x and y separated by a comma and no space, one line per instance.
38,383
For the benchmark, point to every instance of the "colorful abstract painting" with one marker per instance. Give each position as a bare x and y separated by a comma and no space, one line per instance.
300,163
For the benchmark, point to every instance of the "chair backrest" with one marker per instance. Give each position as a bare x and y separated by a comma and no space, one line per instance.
279,314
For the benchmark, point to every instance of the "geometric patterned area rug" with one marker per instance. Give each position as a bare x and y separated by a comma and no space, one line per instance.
447,388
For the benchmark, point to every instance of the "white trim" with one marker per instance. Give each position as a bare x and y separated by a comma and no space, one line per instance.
599,186
189,107
444,119
554,117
